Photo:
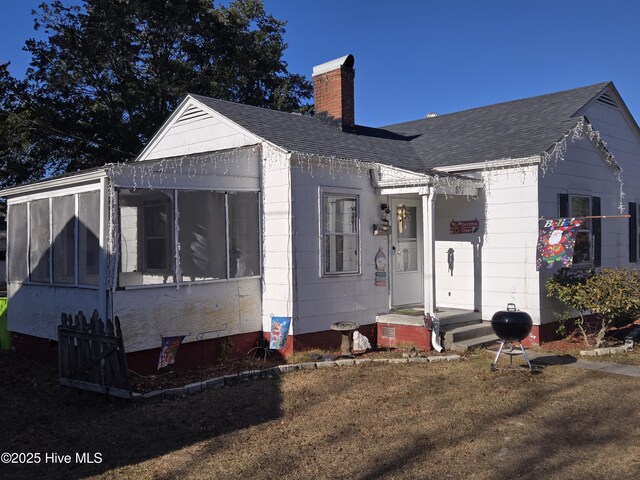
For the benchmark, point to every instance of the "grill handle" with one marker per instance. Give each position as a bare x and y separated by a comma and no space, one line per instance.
511,307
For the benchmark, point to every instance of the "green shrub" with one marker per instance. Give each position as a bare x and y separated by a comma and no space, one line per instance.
611,295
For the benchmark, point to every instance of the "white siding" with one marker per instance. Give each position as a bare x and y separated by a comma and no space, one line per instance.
508,251
277,288
146,314
322,301
585,172
460,287
206,132
35,309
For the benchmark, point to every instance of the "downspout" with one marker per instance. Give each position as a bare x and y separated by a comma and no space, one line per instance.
428,222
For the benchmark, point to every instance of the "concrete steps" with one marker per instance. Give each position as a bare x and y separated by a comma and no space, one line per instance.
462,339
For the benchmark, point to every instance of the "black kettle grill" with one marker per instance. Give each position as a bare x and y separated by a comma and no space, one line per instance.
511,326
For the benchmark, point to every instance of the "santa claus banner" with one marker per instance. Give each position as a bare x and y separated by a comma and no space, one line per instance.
556,240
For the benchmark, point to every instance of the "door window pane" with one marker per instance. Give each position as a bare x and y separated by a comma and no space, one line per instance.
407,228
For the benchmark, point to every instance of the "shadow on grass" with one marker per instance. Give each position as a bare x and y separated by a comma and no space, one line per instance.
39,416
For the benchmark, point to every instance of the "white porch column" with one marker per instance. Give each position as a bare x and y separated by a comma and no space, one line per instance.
428,238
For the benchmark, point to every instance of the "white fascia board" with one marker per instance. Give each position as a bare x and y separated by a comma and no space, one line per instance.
177,113
55,183
499,163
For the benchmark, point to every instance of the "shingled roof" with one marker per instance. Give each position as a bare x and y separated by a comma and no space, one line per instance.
308,134
515,129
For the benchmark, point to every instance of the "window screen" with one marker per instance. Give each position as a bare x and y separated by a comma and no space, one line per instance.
17,242
64,239
39,240
146,238
88,238
202,235
244,235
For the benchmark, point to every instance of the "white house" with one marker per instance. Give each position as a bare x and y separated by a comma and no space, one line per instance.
233,214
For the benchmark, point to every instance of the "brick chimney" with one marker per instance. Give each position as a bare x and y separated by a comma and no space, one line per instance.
333,92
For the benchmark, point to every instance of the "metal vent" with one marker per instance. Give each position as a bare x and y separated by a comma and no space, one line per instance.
192,113
388,332
607,99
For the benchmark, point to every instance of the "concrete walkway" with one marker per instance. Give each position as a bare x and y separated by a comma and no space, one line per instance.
540,358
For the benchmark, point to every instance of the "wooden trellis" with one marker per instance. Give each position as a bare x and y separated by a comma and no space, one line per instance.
91,355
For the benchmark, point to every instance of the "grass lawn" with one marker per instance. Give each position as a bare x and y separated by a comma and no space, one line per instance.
439,420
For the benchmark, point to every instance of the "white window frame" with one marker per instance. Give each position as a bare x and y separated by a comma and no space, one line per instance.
28,199
323,193
174,243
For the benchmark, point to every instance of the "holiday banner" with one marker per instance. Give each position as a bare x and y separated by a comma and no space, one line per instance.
169,350
556,240
279,332
463,226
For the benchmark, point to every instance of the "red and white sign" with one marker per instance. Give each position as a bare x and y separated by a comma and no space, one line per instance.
463,226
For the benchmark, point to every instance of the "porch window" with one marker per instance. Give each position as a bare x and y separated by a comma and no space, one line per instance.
216,236
39,241
17,243
341,235
88,237
64,239
244,235
146,244
201,221
56,240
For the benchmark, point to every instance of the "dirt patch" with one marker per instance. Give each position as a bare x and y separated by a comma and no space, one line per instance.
400,421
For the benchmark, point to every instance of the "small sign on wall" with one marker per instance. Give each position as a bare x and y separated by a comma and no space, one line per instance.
463,226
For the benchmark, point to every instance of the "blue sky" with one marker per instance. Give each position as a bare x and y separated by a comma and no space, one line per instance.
419,56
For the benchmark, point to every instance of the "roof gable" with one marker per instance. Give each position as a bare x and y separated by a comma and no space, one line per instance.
196,128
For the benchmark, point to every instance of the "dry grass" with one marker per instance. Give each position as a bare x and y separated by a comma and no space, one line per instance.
439,420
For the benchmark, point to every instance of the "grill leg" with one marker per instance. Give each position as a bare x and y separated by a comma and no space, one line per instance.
526,357
495,362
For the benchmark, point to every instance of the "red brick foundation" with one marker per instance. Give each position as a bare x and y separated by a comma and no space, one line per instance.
39,349
325,340
194,354
395,335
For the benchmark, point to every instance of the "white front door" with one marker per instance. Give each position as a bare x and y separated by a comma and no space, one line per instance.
406,252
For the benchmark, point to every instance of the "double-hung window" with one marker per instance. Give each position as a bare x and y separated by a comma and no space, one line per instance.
587,247
340,233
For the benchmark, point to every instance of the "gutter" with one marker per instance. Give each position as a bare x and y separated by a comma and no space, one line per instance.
499,163
54,183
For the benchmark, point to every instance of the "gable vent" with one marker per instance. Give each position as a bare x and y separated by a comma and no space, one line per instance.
192,113
607,99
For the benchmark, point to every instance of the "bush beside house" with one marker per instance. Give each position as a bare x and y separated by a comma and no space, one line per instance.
598,299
